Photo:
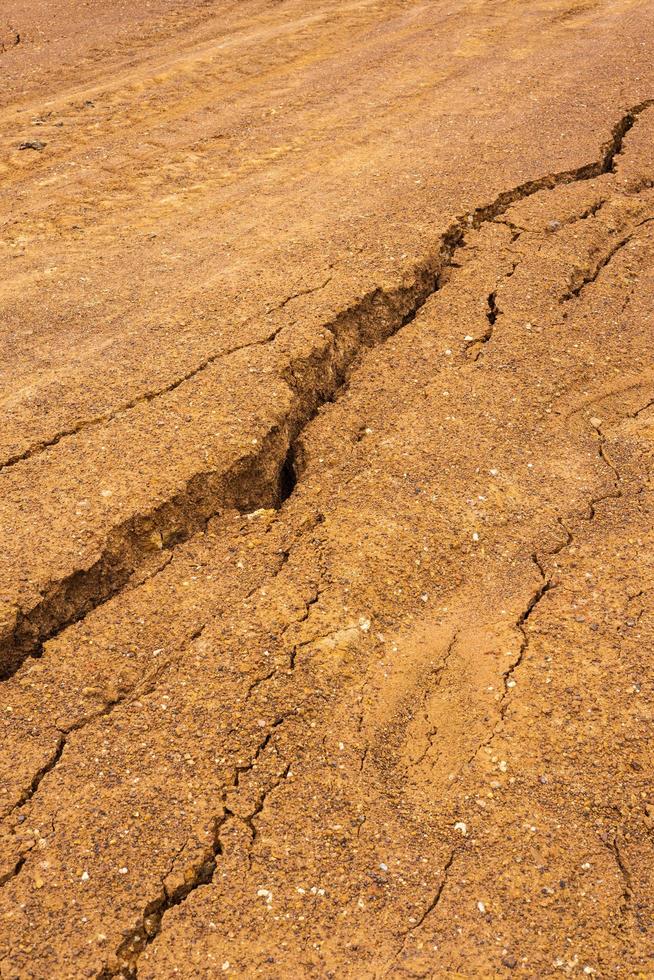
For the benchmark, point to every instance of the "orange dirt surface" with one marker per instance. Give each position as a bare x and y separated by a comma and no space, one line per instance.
326,536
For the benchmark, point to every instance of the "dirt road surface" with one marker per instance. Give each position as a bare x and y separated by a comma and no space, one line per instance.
326,526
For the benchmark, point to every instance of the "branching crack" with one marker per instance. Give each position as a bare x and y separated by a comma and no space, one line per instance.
247,486
301,292
546,586
642,409
124,963
148,396
41,773
142,688
250,818
427,911
591,276
472,348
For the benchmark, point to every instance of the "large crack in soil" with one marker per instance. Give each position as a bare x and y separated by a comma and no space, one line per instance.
147,685
249,484
148,396
129,952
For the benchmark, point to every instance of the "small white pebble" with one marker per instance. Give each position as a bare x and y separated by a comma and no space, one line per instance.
85,876
481,907
383,866
264,893
461,827
122,871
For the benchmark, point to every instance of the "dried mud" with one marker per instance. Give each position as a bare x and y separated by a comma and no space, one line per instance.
327,529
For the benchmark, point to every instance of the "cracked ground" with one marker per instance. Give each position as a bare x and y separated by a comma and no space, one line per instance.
326,576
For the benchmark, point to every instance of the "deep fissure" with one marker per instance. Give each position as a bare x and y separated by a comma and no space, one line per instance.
379,315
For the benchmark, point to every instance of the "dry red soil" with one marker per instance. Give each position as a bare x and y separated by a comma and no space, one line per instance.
326,527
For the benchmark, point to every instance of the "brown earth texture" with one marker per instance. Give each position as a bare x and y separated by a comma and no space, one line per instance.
326,493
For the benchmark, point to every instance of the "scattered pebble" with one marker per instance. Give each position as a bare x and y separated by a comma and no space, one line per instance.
264,893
